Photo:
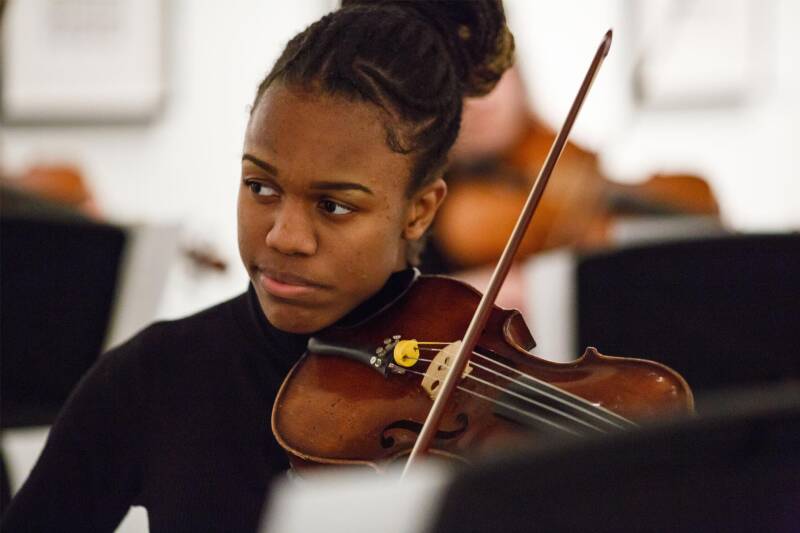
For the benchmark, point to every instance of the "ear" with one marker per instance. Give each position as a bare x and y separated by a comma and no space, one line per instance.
422,209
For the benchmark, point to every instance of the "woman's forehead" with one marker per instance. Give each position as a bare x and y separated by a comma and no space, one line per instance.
293,126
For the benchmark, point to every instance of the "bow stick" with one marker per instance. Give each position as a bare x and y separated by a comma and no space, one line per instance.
478,322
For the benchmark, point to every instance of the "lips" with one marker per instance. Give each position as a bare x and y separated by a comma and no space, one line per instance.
286,285
286,277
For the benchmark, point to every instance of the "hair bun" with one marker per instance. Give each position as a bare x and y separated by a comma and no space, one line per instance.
475,32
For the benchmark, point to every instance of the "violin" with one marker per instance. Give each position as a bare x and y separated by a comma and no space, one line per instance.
442,370
579,209
362,393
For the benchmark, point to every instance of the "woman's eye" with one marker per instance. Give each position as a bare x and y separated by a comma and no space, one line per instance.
261,189
334,208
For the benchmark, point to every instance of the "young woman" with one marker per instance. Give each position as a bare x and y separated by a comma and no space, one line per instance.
341,177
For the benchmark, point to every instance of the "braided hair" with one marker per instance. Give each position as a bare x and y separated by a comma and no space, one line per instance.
414,59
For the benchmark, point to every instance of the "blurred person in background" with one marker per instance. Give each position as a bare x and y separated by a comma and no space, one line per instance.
494,162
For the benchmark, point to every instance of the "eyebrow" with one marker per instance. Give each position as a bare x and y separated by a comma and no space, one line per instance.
320,185
263,164
340,186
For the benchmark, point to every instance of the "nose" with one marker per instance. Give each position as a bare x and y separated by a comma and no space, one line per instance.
292,232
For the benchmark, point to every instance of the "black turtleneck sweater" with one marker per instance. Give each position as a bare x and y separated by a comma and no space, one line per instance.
177,420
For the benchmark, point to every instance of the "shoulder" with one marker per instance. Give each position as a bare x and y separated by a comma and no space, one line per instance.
203,329
198,328
176,343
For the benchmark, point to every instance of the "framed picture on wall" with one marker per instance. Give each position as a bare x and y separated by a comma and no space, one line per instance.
82,60
699,53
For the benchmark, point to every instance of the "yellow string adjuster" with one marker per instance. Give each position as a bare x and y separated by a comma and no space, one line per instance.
406,353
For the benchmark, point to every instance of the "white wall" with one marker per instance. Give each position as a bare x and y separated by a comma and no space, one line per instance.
183,167
748,153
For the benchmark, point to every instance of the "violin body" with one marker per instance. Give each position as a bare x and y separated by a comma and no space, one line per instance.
578,209
339,411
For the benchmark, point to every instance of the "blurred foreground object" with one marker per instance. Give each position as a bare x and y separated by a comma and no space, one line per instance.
355,501
736,468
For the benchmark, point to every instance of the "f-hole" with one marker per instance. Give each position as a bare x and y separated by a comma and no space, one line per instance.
387,441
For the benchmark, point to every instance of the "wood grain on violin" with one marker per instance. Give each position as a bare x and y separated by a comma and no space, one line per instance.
336,409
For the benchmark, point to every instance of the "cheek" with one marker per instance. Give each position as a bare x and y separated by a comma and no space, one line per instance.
249,228
372,252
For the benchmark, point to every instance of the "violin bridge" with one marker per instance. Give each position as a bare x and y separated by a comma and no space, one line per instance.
439,367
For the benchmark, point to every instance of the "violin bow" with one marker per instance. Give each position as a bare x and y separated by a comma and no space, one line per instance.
479,319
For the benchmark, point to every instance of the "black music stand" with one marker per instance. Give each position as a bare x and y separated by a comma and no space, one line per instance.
58,275
721,311
736,468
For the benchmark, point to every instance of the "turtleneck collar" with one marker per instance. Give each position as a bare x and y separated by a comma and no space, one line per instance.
292,345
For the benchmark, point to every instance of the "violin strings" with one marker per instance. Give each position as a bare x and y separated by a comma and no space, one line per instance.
579,403
525,398
508,406
551,392
592,409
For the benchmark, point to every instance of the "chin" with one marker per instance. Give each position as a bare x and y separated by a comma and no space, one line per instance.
295,327
297,320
